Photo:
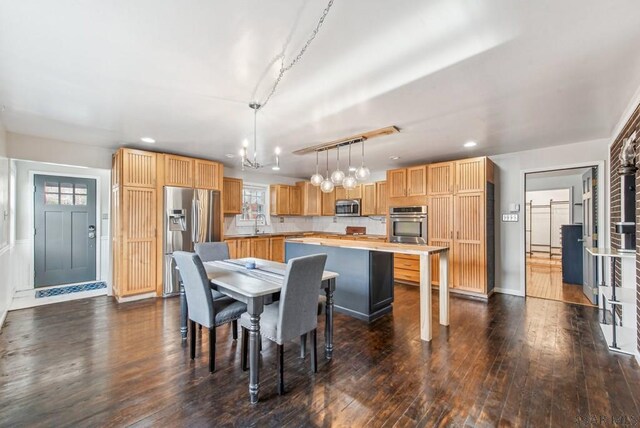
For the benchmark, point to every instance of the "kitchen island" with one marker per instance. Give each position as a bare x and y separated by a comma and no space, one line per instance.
365,273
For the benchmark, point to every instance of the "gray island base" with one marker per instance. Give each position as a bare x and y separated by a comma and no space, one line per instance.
364,289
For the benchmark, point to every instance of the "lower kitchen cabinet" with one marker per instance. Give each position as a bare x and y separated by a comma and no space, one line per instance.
277,249
260,248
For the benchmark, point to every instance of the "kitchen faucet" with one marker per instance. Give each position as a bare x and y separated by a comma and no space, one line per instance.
258,216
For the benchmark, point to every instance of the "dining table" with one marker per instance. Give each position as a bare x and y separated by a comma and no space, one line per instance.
255,286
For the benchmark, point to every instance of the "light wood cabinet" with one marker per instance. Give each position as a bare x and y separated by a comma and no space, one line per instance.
295,200
279,199
341,192
208,175
355,193
382,201
397,183
311,199
138,168
441,230
243,248
441,178
368,204
137,258
260,248
470,175
232,196
178,171
276,252
233,248
329,203
417,181
460,200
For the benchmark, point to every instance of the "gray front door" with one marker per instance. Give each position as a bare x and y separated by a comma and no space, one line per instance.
65,230
589,234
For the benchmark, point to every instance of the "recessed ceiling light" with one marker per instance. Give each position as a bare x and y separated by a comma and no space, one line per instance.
230,155
394,157
469,144
147,140
275,168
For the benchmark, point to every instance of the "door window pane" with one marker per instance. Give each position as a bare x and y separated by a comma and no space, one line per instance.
81,189
81,199
51,199
51,187
66,199
66,188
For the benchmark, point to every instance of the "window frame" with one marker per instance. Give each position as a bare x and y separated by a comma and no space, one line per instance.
267,196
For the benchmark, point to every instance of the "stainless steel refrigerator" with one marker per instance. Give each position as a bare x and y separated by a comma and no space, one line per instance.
190,216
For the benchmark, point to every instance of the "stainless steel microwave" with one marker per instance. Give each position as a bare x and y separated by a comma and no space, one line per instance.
348,208
408,225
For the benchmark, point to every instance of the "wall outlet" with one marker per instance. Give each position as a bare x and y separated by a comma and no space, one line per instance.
281,219
335,219
510,218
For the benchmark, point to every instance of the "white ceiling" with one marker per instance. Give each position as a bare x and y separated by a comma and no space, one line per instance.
511,75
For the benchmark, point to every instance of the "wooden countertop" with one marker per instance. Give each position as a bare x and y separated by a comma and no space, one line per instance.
306,233
371,245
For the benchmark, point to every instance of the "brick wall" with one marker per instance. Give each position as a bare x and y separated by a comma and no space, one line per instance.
632,125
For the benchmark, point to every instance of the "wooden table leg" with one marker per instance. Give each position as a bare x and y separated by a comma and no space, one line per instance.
254,308
444,288
328,326
425,297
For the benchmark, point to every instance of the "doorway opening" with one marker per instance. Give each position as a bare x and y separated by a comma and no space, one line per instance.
561,218
65,230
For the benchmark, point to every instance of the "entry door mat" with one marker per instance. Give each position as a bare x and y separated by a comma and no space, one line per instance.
68,289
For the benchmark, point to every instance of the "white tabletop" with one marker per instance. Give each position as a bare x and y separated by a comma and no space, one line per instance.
611,252
266,279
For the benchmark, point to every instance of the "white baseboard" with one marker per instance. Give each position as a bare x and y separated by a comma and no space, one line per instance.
26,298
509,291
3,316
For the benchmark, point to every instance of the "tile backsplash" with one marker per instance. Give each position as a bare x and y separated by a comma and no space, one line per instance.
374,225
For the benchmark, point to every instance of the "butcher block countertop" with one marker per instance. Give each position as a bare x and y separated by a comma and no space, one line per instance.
371,245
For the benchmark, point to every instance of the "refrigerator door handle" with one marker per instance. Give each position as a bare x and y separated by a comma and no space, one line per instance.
194,221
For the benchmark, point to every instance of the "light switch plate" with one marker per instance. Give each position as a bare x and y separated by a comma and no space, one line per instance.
510,218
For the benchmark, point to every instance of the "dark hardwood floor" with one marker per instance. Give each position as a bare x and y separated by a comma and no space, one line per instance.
512,362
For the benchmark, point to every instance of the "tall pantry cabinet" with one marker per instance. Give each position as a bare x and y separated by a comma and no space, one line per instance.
461,217
137,213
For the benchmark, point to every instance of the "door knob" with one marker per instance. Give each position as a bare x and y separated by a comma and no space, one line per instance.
92,232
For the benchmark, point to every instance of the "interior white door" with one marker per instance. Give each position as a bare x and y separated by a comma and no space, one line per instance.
589,234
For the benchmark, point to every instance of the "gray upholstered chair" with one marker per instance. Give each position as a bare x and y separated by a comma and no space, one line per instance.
211,252
203,308
295,314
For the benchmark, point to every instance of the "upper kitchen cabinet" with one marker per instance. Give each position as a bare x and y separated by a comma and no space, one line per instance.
397,183
473,174
382,201
441,178
138,168
178,171
279,199
295,200
368,204
417,181
232,196
311,198
329,203
355,193
341,193
208,175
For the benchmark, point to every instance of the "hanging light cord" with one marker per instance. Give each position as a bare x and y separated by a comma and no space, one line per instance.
283,68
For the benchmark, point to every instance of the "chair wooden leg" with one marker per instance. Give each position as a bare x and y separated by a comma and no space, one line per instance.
303,345
192,341
212,349
244,349
314,353
280,369
234,328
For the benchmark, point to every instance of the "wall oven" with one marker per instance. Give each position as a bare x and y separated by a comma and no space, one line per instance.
348,208
408,225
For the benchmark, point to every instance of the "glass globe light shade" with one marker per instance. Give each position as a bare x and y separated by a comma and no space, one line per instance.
349,182
362,173
316,179
337,176
327,186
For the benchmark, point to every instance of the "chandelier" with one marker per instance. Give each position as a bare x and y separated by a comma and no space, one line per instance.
338,177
